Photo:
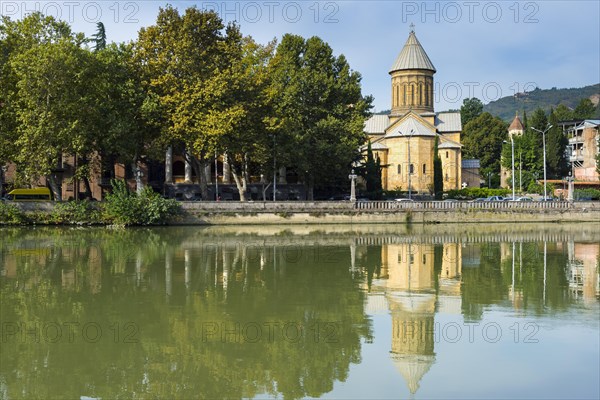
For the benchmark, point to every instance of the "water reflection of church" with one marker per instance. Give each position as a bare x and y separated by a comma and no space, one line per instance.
417,279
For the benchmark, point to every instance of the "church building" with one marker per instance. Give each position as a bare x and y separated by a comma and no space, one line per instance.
404,140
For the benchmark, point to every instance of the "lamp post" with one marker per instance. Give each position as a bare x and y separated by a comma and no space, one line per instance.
544,142
409,165
512,142
216,176
352,178
274,171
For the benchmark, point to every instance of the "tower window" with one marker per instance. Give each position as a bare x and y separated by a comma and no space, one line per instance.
399,169
446,154
424,169
411,169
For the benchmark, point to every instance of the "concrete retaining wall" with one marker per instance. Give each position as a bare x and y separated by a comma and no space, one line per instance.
329,212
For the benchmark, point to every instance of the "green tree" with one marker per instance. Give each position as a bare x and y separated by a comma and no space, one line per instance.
53,107
585,109
482,139
470,109
371,171
240,121
17,38
318,110
129,118
556,145
99,38
563,113
183,59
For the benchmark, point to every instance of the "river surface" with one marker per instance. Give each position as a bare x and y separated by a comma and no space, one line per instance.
426,312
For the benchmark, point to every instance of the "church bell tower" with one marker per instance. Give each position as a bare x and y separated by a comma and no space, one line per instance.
412,79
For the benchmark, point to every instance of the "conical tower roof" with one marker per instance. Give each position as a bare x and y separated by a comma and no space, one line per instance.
413,368
412,56
516,125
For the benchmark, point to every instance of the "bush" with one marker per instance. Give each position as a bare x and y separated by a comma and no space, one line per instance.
123,207
586,194
75,212
10,214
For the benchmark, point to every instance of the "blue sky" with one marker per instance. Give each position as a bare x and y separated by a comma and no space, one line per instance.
486,49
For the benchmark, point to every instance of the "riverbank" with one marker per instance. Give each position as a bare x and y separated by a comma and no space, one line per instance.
373,212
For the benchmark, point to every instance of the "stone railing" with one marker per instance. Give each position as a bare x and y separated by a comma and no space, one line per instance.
464,205
347,206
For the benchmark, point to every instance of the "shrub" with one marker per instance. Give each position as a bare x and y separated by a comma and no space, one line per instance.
123,207
10,214
75,212
586,194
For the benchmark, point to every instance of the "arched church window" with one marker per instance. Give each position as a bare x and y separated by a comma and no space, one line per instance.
446,154
399,169
404,89
411,169
424,169
420,93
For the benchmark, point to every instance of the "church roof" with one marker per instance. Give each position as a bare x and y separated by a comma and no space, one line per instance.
413,367
516,124
374,146
412,56
410,127
471,163
377,124
448,122
449,145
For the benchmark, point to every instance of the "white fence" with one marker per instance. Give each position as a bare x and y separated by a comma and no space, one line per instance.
486,205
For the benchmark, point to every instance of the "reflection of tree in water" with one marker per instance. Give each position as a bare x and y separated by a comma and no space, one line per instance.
173,293
491,280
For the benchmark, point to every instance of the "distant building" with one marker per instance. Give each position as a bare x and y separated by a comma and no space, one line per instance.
515,128
583,148
470,173
404,140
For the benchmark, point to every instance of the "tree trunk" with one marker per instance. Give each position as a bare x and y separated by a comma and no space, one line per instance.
309,186
88,188
264,190
55,187
199,165
86,180
139,184
240,177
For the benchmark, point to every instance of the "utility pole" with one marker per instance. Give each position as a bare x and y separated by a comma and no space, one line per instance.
544,140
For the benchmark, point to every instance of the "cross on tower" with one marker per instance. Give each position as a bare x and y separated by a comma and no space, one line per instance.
412,27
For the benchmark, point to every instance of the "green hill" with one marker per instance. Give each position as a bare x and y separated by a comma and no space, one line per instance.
545,98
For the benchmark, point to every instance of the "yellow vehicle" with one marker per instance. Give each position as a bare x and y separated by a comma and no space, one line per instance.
37,194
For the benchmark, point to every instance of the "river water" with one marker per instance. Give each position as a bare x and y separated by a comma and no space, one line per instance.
424,312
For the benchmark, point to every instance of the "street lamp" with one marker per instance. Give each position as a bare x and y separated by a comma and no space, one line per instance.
409,165
544,141
512,142
352,178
